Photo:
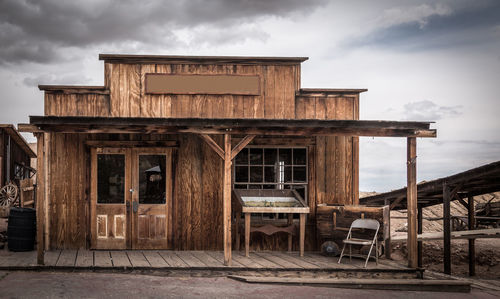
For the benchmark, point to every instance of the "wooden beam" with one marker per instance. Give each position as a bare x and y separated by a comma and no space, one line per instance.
388,245
465,204
47,177
213,145
455,190
28,128
227,199
292,127
419,231
302,233
411,174
40,198
446,229
241,145
472,226
119,143
396,202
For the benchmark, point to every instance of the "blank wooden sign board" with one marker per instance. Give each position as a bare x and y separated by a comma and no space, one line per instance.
202,84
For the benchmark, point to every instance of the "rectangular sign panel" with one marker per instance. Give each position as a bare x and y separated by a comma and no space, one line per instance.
202,84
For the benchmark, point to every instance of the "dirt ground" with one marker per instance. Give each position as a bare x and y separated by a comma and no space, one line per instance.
106,285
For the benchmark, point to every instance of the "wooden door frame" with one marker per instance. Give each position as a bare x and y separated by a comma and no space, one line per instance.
93,192
135,153
131,182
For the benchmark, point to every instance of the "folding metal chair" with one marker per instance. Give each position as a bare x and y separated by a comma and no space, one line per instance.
365,224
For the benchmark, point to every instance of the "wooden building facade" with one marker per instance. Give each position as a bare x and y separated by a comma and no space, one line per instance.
211,124
15,155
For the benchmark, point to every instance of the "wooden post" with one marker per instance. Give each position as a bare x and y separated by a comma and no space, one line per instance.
227,155
227,199
302,233
388,246
40,199
247,234
290,222
411,196
472,225
446,229
237,231
419,231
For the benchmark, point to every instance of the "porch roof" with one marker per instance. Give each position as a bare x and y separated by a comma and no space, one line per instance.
476,181
291,127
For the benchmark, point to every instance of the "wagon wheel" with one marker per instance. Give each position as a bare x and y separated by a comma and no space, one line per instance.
8,195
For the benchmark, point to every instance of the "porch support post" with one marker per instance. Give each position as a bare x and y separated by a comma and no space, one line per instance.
472,225
446,229
411,195
227,155
40,198
388,246
419,231
227,199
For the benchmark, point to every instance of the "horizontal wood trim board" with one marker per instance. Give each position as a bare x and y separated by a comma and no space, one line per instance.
202,84
307,127
100,143
178,59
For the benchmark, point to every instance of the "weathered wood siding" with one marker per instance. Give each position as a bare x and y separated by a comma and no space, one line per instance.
127,97
17,155
197,183
197,193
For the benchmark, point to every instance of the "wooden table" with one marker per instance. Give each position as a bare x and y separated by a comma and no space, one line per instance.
268,201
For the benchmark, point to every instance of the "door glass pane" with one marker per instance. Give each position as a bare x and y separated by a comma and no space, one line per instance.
152,188
110,178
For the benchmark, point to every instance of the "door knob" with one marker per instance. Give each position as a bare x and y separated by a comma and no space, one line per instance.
131,190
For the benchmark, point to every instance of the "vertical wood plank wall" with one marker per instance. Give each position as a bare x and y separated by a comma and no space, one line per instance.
127,97
197,198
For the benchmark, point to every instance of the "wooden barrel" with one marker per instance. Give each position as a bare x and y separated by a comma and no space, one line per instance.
21,229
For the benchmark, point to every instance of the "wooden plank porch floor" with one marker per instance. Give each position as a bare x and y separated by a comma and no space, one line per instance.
201,260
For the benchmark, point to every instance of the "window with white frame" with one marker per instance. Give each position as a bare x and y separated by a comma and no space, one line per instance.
272,168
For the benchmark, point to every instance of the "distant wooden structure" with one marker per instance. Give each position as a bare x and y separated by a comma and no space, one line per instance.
212,124
15,155
462,187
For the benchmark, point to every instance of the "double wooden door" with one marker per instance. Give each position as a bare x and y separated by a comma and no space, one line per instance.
131,198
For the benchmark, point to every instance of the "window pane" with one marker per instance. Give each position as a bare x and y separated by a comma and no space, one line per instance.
256,174
241,174
270,156
299,156
110,178
285,155
269,187
240,186
299,174
254,186
242,157
152,188
269,174
256,156
288,174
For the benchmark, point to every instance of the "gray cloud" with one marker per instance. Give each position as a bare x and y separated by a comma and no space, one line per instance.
425,27
33,81
428,110
39,31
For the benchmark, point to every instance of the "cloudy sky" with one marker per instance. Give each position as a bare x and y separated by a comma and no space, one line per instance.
420,60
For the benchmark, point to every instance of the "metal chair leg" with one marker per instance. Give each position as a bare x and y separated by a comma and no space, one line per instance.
369,253
341,254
